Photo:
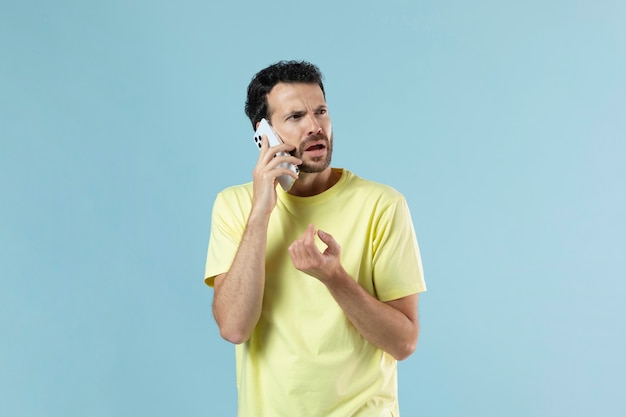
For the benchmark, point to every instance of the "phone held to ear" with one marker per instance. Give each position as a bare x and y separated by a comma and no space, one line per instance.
264,128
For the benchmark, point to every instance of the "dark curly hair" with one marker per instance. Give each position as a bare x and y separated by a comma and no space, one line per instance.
266,79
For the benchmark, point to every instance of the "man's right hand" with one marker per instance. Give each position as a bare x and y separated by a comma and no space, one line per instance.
266,172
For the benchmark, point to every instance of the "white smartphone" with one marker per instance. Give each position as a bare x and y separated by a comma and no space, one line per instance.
264,128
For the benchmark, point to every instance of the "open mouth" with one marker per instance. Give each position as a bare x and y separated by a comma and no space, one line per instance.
316,150
316,147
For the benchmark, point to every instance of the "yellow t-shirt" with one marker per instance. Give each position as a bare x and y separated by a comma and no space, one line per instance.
304,357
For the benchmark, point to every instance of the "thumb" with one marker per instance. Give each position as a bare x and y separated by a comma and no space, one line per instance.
329,240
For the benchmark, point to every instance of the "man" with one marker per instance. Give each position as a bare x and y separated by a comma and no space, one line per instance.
317,286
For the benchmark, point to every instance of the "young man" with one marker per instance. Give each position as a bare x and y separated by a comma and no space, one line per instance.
317,286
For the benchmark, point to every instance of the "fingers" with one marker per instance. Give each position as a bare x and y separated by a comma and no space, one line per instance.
329,240
268,153
307,258
304,248
309,235
277,158
273,162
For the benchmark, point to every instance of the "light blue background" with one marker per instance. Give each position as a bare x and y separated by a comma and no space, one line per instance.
503,123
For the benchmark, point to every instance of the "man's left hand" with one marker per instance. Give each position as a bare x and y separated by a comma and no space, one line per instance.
306,257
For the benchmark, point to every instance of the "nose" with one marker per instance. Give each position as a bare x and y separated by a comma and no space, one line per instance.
314,126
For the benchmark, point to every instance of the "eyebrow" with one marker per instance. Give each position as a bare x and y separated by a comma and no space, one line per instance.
318,108
290,113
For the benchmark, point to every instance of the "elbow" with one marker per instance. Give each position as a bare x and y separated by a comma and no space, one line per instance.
234,339
404,351
408,345
234,331
234,335
231,329
406,348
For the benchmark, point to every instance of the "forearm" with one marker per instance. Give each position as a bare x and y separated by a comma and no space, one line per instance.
392,326
384,326
238,296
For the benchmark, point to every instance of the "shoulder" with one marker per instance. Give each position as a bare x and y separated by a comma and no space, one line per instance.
372,190
236,191
235,198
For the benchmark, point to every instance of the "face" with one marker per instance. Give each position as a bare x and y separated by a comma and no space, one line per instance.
300,117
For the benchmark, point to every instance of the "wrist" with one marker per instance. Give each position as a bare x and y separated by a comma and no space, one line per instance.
338,279
259,215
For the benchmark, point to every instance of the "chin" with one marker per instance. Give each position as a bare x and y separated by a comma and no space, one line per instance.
315,166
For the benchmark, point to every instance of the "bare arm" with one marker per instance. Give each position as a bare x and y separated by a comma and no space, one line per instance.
238,293
392,326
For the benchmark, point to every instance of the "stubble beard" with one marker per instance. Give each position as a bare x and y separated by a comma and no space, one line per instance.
318,163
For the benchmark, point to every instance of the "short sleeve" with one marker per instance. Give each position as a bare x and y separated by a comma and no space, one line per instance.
228,222
397,264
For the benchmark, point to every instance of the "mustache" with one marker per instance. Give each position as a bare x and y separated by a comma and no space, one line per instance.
316,137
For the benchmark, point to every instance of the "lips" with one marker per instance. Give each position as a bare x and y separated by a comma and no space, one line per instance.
315,150
315,147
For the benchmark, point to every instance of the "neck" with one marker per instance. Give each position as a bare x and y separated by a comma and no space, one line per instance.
310,184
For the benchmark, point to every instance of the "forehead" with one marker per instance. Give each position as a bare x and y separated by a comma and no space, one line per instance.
295,96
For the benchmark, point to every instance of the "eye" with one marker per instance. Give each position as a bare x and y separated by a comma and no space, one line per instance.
322,111
294,116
